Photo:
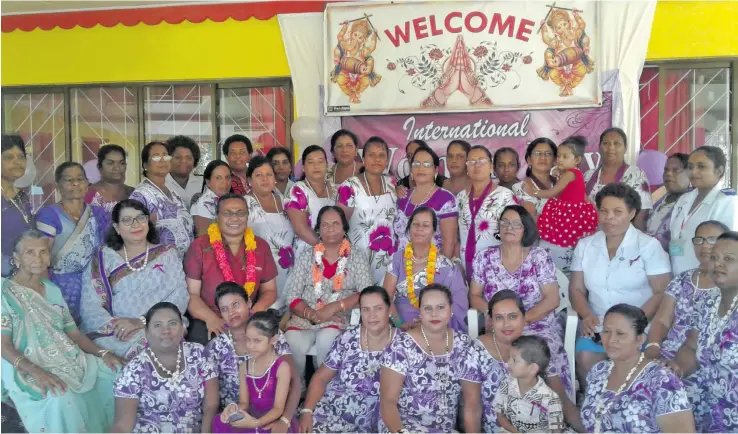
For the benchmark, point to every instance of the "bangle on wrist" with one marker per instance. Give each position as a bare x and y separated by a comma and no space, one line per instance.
102,353
17,361
306,410
284,420
343,308
143,320
653,344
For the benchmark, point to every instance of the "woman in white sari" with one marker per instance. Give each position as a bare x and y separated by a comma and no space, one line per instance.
370,202
128,275
75,229
173,221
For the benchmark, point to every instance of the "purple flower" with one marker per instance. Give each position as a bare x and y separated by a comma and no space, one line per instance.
483,226
286,257
381,239
300,200
344,194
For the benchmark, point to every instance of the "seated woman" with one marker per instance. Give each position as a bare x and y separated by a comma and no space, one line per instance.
487,366
228,351
630,393
675,316
618,264
420,382
421,260
57,378
228,252
343,395
75,230
128,275
676,182
711,348
324,287
216,183
534,279
170,387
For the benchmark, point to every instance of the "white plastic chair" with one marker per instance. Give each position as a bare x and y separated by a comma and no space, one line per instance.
570,333
355,319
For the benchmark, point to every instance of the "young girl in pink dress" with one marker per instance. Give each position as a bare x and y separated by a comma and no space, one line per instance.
569,217
264,382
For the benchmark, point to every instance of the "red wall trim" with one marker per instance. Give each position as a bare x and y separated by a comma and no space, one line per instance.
153,16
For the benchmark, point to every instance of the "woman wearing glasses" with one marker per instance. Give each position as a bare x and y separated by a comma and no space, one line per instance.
674,318
173,221
533,279
540,156
424,165
129,274
76,230
480,206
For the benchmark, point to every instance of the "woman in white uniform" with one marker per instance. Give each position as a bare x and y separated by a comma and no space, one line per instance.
708,201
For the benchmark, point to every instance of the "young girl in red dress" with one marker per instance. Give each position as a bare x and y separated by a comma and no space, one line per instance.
568,216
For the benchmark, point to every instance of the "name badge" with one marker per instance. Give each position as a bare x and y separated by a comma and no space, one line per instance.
676,248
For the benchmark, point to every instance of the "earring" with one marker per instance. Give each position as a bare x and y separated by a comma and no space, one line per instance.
497,237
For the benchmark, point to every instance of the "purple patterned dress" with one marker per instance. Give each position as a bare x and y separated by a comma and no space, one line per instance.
687,296
351,400
430,394
443,202
536,271
656,391
222,354
163,407
447,273
716,382
482,368
261,401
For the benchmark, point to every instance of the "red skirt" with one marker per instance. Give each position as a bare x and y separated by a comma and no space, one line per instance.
565,223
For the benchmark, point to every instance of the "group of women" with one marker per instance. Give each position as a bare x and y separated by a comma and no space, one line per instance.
127,274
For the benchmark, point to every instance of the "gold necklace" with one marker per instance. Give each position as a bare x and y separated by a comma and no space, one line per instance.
74,217
15,204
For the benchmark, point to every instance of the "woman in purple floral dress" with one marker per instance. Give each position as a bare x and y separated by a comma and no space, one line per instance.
227,351
673,319
486,367
369,201
715,337
630,393
424,165
343,395
420,382
533,279
170,388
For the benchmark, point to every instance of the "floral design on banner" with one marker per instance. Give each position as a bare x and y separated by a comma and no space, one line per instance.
286,257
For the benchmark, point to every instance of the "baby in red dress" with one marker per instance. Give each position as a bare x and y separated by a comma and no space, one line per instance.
568,216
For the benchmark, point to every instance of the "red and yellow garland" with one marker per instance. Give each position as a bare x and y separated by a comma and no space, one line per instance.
343,254
430,271
216,241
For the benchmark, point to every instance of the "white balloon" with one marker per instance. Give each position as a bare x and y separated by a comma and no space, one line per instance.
27,179
92,172
306,131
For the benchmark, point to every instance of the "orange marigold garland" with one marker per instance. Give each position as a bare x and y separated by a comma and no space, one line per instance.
343,254
216,241
430,271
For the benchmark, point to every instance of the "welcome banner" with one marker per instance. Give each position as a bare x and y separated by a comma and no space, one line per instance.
460,56
494,130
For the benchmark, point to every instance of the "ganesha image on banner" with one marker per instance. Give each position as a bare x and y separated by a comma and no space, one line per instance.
566,60
354,65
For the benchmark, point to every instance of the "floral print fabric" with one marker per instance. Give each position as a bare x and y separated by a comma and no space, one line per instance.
372,222
424,406
654,392
164,407
490,372
303,198
443,202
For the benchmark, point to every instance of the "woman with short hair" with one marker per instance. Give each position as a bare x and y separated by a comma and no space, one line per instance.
17,211
281,160
676,182
344,149
618,264
111,188
216,183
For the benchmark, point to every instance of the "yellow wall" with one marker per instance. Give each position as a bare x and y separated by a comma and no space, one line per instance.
253,48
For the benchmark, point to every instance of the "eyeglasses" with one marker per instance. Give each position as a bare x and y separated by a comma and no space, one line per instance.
158,158
515,224
701,240
424,164
480,162
230,214
541,154
140,219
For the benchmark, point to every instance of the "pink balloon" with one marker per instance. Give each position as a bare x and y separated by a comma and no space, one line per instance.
652,163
